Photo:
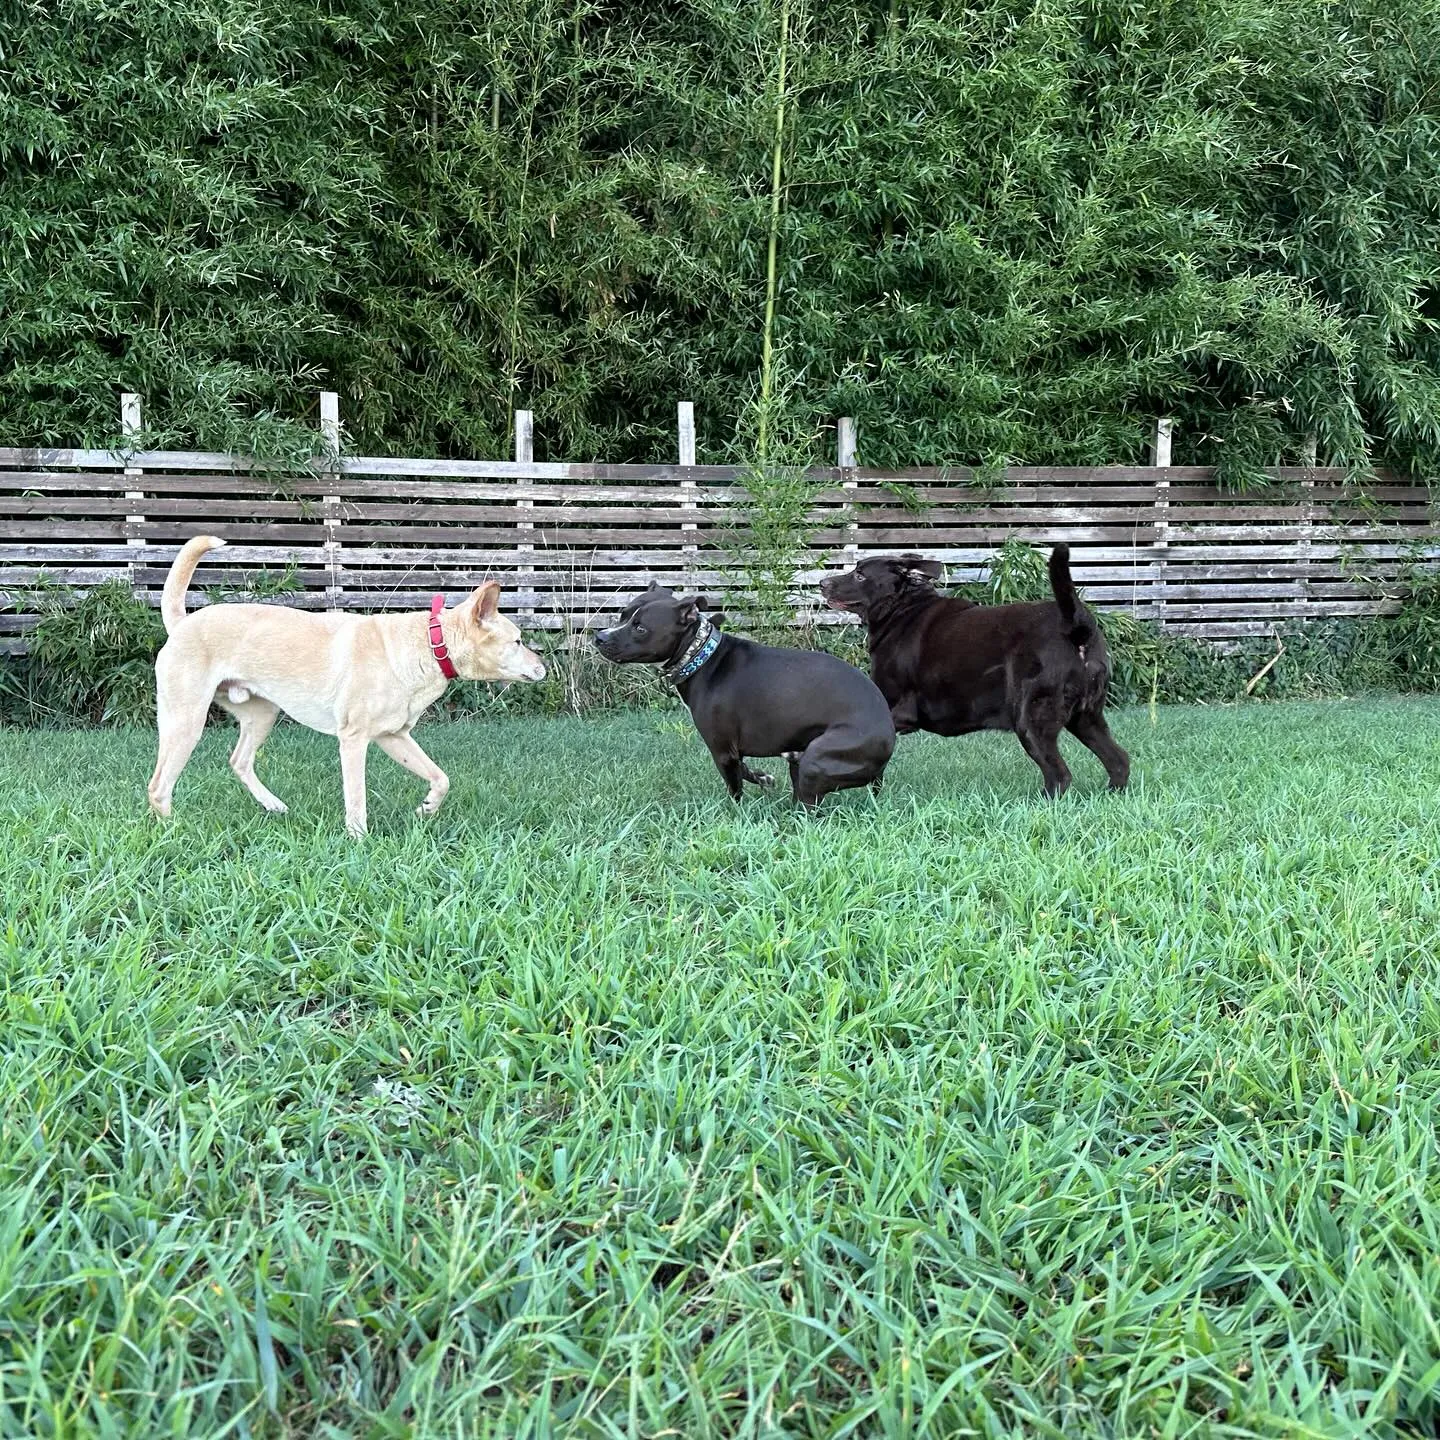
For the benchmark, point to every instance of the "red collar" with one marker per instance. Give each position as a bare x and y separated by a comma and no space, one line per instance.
437,639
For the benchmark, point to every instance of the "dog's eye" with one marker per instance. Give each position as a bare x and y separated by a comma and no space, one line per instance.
638,628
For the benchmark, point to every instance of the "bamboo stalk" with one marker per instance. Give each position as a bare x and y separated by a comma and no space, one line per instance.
776,172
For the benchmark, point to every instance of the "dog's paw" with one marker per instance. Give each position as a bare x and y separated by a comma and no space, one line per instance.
759,777
425,809
275,806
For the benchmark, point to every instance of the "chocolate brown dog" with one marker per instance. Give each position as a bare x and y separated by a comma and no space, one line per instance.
951,667
825,717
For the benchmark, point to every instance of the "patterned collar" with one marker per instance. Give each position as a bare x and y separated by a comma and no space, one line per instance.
701,649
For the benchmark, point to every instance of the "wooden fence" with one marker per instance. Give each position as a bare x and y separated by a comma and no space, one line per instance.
570,542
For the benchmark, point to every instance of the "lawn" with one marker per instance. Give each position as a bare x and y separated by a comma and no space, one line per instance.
600,1106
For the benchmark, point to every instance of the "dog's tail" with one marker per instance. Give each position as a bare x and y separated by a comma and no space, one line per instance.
1079,624
177,582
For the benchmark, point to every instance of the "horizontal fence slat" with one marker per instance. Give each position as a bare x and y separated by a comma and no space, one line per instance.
211,509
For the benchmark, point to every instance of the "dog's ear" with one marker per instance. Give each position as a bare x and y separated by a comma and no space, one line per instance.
919,568
717,618
702,603
689,610
486,601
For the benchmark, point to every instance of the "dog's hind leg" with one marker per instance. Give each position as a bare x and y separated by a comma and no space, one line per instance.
1090,729
180,710
838,760
818,771
404,751
755,777
256,718
1040,745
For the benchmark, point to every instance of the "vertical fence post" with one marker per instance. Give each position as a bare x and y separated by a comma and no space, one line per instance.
1160,458
330,429
130,426
1309,452
685,429
525,455
845,459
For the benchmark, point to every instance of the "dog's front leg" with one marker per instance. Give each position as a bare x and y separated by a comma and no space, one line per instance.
404,751
905,714
730,768
352,775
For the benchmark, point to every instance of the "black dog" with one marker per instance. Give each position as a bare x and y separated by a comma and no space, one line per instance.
952,667
824,716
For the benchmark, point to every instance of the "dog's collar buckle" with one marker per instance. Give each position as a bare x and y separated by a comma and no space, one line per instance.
437,639
701,648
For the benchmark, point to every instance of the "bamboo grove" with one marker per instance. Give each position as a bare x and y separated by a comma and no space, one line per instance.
1007,231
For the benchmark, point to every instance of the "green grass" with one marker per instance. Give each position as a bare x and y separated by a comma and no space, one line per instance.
603,1107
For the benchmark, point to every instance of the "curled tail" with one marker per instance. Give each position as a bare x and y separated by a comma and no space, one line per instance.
1079,624
177,582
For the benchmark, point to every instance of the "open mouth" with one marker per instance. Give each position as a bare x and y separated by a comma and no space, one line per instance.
833,603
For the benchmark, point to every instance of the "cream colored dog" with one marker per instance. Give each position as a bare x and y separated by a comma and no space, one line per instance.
358,677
